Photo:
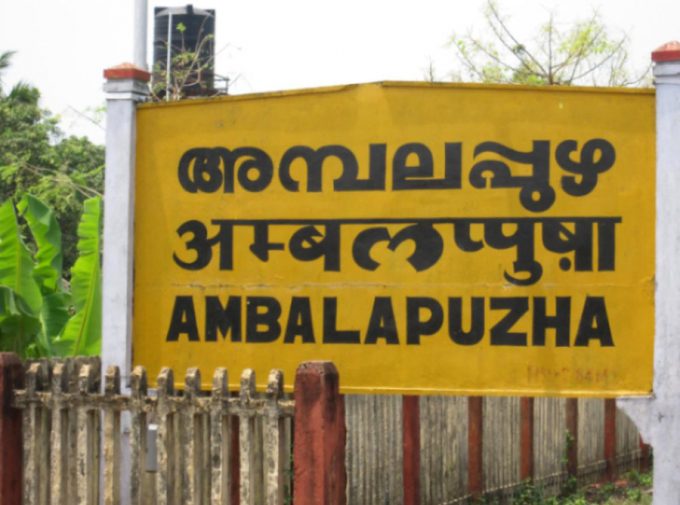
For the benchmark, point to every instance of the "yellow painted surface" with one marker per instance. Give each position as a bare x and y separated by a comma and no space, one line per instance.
389,116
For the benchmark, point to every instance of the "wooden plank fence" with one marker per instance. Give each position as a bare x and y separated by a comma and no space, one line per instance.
463,447
61,440
181,443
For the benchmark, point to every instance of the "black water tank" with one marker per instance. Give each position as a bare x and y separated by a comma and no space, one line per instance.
190,26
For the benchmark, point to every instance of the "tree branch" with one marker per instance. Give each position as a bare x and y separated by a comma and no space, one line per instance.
496,15
600,63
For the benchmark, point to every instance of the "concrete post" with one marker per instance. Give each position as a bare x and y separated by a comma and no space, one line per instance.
658,417
125,86
320,434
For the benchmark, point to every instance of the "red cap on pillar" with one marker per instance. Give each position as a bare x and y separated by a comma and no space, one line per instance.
127,71
668,52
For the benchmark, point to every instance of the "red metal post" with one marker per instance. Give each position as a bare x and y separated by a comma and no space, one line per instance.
475,445
572,441
320,434
644,457
11,455
610,438
411,444
526,439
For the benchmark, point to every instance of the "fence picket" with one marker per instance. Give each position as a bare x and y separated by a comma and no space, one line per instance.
59,436
275,453
138,387
40,438
192,385
166,389
32,447
43,438
88,462
111,437
72,438
247,438
219,439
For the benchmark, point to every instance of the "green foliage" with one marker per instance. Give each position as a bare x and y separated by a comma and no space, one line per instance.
585,53
527,494
569,486
634,494
25,132
36,159
640,479
46,232
16,264
574,500
188,67
82,333
38,314
20,298
569,441
634,488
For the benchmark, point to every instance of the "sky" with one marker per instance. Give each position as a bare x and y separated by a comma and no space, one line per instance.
63,46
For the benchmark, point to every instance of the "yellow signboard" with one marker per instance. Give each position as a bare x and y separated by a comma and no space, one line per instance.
425,238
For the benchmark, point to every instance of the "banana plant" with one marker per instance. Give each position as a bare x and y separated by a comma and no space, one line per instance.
40,315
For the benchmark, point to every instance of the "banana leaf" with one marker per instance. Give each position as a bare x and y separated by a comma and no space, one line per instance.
82,333
53,318
18,326
45,229
16,264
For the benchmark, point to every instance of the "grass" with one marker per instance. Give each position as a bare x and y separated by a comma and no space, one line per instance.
633,489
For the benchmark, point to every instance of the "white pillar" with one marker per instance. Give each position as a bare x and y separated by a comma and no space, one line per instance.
658,417
125,86
140,38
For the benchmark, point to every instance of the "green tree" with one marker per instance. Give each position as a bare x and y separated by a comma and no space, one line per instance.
36,158
584,53
5,60
40,314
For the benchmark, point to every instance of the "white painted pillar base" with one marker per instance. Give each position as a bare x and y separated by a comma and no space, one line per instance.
125,86
658,417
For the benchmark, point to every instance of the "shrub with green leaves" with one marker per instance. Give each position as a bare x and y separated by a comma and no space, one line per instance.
40,313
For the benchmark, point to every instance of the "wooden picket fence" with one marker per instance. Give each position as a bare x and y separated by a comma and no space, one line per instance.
185,447
436,450
70,438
